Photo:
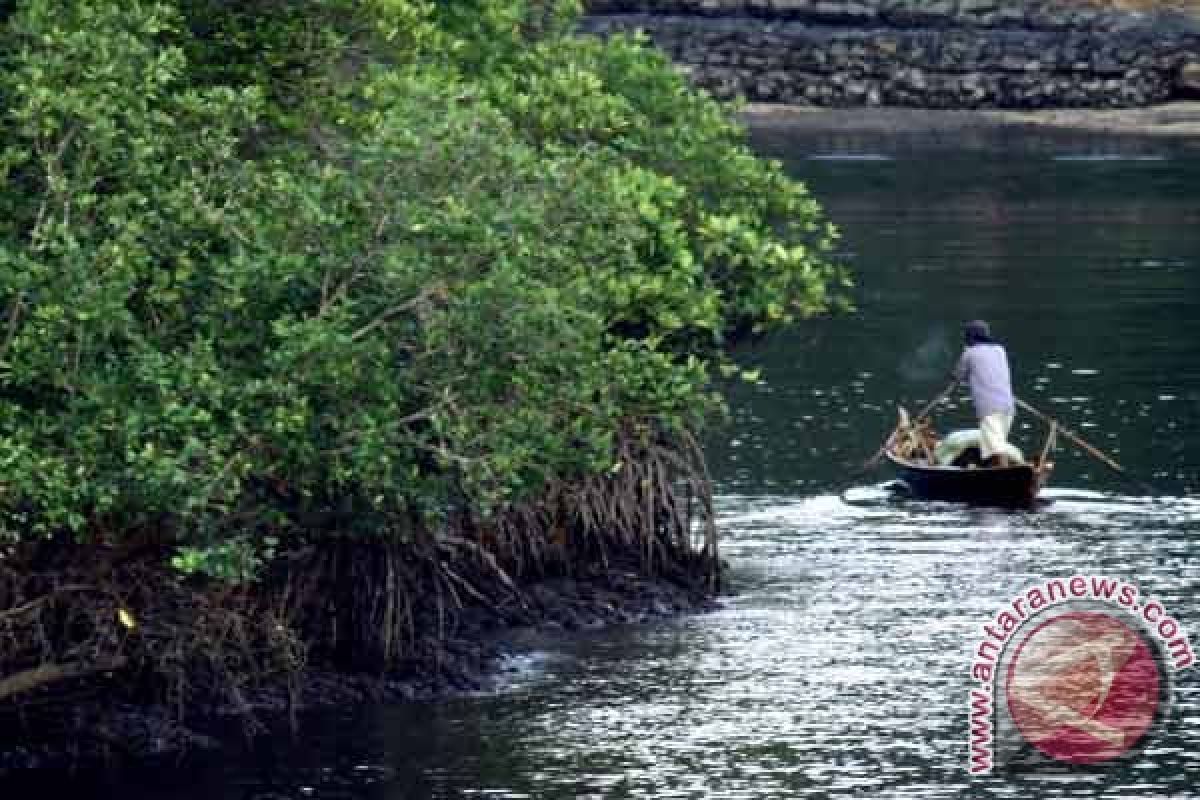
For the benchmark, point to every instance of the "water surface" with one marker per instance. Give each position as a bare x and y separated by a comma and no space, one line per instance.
1083,253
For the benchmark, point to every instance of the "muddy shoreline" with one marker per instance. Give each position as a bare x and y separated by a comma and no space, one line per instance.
470,659
1176,122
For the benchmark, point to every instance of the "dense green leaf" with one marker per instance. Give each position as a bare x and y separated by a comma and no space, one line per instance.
264,263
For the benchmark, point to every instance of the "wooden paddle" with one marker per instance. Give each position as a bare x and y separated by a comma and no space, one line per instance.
1086,447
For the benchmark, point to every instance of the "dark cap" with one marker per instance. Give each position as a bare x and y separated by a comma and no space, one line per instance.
977,331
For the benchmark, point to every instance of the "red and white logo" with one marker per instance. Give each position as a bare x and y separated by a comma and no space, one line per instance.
1083,687
1072,671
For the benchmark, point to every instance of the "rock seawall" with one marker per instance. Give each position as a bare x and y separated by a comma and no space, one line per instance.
948,54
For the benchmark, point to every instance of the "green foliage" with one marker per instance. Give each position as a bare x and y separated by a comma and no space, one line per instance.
757,235
236,559
117,174
268,268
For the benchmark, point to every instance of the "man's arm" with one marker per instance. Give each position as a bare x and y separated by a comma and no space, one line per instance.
963,369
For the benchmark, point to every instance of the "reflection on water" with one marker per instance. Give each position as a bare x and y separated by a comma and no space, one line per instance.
849,157
840,664
1108,157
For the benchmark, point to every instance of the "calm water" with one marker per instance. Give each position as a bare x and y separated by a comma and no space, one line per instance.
839,666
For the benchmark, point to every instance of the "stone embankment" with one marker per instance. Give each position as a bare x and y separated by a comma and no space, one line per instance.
960,54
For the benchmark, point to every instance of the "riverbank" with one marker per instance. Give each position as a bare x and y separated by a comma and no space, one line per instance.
1179,122
98,732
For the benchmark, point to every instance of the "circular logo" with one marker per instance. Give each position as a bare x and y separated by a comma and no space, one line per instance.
1084,687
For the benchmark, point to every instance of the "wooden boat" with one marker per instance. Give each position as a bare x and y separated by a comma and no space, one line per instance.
1014,486
911,448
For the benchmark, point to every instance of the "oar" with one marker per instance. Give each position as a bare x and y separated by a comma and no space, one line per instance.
874,460
1086,447
937,400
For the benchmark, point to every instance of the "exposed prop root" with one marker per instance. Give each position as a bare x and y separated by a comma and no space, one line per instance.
373,603
80,621
135,631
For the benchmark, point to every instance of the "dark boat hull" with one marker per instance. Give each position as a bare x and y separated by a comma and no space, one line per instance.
1008,487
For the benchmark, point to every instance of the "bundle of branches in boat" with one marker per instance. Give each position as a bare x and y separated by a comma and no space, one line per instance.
913,440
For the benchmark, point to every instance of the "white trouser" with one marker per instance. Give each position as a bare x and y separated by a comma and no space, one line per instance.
993,430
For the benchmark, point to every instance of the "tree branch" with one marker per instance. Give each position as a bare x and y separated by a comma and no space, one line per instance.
435,291
43,675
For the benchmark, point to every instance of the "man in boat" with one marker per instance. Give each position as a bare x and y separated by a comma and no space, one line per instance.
984,367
